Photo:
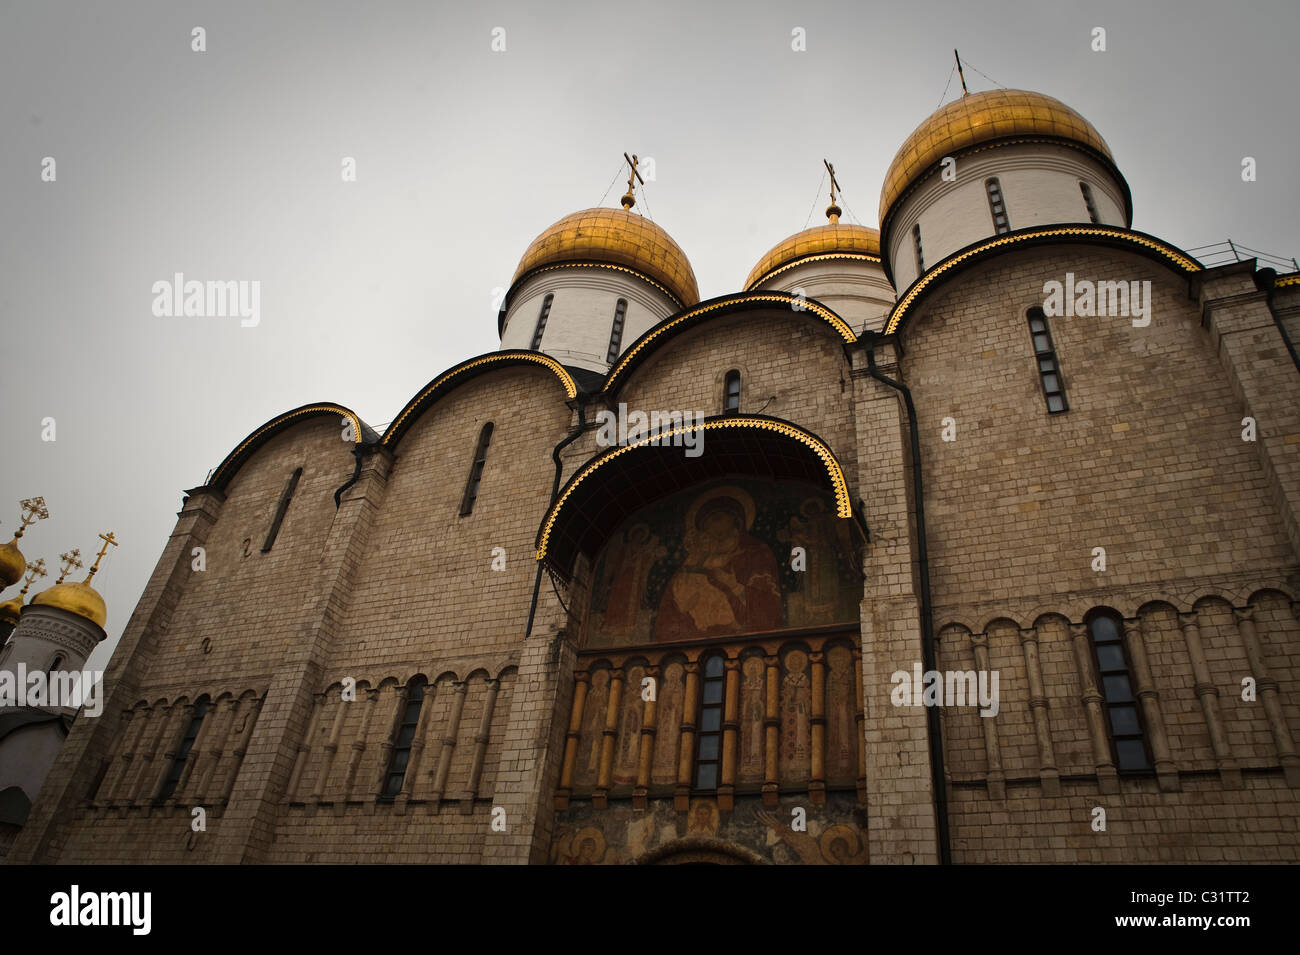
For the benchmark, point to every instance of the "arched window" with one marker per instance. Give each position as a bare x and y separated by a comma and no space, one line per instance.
997,206
920,256
541,323
476,470
402,741
616,331
285,497
708,739
1088,201
56,663
1114,676
731,393
1049,369
183,750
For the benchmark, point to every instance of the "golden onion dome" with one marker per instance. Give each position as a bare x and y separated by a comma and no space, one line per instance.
75,597
833,240
614,237
12,564
982,118
10,609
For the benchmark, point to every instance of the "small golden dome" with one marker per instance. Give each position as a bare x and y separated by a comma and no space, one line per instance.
75,597
10,609
615,237
836,237
980,118
12,564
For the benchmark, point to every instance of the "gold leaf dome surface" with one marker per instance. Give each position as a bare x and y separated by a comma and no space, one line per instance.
12,564
839,237
980,118
75,597
10,609
615,237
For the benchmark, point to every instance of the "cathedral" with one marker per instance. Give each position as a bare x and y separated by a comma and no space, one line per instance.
970,539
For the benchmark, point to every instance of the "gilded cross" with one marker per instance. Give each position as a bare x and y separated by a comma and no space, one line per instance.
33,571
835,186
70,560
109,540
34,510
629,200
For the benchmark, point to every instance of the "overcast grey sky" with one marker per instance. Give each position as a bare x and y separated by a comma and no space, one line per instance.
226,165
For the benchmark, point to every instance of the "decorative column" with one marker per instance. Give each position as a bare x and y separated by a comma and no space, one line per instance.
417,752
448,745
1208,694
358,748
730,734
254,706
572,738
331,749
480,747
817,723
997,779
401,695
304,749
772,732
137,792
137,724
1166,771
1267,687
173,735
686,761
1090,696
860,718
649,730
1049,776
600,797
220,732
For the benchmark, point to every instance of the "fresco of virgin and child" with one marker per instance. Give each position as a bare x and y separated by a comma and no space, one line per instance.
716,561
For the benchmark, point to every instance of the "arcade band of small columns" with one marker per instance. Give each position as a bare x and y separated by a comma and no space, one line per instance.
731,724
1093,703
150,743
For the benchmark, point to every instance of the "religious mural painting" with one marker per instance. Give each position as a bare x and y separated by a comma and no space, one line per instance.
721,560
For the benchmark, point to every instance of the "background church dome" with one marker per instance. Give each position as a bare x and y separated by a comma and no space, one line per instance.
12,564
614,237
75,597
984,118
839,238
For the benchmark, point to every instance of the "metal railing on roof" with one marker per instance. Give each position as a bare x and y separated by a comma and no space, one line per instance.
1221,253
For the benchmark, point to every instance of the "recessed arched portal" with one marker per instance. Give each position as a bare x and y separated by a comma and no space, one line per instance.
715,602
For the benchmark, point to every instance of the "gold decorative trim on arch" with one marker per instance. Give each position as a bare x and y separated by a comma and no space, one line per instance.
570,386
843,507
282,419
1184,262
1292,279
783,298
856,256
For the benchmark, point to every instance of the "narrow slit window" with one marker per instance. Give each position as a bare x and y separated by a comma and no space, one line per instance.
476,470
731,393
1049,369
920,255
285,497
708,739
997,206
616,331
402,741
1089,201
1115,676
541,323
177,767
